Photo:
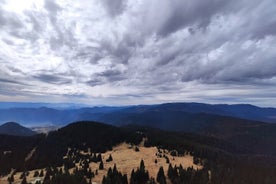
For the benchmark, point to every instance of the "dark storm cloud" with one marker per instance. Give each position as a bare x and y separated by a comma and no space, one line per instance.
190,13
95,82
269,29
53,79
109,73
9,81
114,7
260,22
112,75
2,18
10,20
62,36
53,8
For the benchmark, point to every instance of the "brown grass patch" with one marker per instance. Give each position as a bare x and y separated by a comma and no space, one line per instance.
126,158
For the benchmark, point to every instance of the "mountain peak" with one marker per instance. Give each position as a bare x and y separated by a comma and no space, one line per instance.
13,128
11,124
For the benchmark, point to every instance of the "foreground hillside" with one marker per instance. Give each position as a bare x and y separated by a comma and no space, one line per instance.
126,157
81,152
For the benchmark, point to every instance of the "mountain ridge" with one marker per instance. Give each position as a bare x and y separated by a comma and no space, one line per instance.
52,116
15,129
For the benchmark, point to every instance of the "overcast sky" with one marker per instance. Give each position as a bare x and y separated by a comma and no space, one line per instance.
118,52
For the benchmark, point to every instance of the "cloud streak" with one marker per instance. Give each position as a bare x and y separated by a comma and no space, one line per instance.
129,52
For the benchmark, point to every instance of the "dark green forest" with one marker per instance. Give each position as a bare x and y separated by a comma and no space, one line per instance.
223,160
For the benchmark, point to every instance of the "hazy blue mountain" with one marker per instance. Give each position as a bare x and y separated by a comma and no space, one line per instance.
245,111
12,128
185,115
170,115
51,116
7,105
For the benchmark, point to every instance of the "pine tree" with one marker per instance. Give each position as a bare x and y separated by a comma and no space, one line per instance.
90,175
104,180
137,149
124,180
161,176
101,166
24,181
94,158
11,179
109,159
132,177
115,171
114,177
22,175
36,174
47,177
151,181
60,171
41,174
140,176
142,166
170,171
99,157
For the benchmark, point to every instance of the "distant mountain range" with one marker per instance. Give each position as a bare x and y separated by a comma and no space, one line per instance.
185,116
42,116
12,128
7,105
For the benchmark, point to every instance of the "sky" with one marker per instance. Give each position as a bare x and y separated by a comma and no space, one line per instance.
122,52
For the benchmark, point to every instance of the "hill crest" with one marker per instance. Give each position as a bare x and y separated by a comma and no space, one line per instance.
13,128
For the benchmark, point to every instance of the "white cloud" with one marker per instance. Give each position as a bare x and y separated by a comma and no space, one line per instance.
124,52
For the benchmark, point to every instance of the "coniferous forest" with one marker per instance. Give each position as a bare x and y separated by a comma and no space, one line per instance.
222,161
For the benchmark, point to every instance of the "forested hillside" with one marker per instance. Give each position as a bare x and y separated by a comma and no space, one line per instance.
228,161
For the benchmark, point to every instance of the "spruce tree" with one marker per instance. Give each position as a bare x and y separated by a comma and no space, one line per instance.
101,166
24,181
161,176
36,174
109,159
170,171
99,157
142,166
41,174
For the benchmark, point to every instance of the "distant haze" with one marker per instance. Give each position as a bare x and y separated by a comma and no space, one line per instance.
160,115
121,52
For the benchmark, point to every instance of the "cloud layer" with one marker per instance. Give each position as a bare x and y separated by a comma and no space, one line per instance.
145,51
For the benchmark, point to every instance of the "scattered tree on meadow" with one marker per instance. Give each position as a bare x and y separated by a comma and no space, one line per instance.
41,174
36,174
11,179
24,180
109,159
137,148
101,166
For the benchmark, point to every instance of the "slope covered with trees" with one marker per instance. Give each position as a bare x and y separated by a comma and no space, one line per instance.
223,161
